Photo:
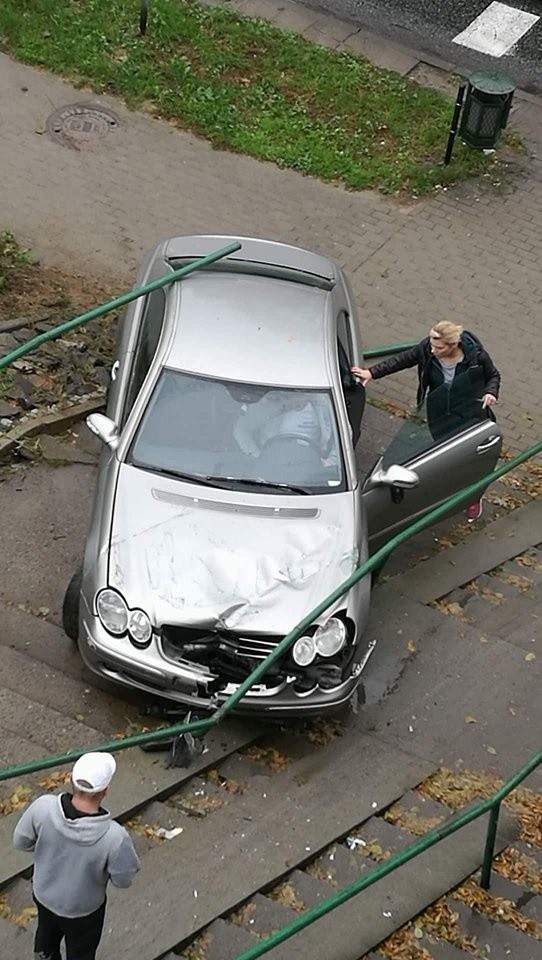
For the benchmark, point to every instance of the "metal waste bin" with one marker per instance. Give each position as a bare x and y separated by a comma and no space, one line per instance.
487,105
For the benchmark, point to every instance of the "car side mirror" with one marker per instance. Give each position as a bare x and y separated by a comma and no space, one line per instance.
396,476
104,428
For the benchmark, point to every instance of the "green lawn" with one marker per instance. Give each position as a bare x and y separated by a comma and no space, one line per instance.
248,87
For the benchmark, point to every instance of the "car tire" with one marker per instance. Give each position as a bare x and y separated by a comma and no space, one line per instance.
70,607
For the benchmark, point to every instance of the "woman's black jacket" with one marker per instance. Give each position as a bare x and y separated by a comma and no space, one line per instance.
476,360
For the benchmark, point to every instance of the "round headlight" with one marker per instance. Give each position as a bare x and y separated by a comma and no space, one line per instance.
112,611
304,651
330,638
139,626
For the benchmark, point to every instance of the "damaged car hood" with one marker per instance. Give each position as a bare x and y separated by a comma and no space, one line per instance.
201,556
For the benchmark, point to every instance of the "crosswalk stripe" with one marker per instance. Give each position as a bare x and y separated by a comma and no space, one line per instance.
497,29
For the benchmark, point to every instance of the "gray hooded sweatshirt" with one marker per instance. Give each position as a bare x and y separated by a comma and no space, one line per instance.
74,859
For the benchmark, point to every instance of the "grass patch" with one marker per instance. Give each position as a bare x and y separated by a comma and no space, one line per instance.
12,257
248,87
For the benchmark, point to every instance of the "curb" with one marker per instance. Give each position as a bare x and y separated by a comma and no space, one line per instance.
52,421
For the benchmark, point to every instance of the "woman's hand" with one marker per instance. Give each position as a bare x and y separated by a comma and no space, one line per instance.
363,375
488,400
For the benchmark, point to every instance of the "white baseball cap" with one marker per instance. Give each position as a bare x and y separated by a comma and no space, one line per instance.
93,772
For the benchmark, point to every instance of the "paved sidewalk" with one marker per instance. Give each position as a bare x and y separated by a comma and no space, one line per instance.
468,253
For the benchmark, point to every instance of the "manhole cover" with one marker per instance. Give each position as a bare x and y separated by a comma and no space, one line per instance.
80,124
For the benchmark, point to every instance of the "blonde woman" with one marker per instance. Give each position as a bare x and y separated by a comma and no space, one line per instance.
457,376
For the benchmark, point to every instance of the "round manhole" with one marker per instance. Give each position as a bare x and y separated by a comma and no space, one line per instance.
80,125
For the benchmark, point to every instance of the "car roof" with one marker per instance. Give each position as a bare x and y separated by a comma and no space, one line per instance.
255,329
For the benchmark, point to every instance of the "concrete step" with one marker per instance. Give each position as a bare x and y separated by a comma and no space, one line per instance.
40,639
503,940
169,903
382,838
263,915
308,888
16,941
140,777
20,673
532,908
504,888
144,826
339,866
225,941
441,950
420,813
484,550
49,728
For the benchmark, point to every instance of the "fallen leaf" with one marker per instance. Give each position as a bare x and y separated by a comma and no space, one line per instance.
491,750
471,720
530,656
411,646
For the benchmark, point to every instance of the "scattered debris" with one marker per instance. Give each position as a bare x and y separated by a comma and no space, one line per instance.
168,834
352,842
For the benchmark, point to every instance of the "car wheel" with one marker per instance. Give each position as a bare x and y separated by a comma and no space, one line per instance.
70,607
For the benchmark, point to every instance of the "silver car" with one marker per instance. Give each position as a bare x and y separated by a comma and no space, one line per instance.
229,501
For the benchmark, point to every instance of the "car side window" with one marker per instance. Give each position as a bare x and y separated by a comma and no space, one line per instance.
440,418
353,393
344,342
147,342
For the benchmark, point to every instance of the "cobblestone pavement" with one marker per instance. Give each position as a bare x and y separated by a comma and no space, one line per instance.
469,253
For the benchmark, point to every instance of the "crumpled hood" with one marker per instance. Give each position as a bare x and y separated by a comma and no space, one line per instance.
202,556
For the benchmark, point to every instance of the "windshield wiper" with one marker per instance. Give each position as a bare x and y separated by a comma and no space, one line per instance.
179,475
250,482
220,482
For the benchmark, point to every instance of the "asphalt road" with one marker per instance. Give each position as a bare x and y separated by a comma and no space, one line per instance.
431,25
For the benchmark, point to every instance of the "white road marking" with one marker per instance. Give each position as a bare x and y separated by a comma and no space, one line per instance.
497,29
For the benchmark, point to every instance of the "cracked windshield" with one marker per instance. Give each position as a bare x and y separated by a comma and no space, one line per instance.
238,435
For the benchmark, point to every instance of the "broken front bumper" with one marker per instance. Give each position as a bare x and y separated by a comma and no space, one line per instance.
148,670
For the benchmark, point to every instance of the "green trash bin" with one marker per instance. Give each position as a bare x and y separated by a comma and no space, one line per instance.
486,110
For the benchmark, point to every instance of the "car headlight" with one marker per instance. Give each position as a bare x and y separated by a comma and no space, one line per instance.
112,611
139,626
330,638
304,651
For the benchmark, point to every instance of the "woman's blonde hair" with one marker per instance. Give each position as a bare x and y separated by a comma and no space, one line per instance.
448,331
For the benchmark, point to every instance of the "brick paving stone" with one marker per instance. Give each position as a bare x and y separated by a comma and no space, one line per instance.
469,253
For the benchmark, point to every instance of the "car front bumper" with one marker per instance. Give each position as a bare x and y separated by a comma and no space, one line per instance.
148,670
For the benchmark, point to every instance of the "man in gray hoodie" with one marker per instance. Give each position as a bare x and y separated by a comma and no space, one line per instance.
78,849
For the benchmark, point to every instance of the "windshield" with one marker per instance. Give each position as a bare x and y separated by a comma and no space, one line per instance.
239,435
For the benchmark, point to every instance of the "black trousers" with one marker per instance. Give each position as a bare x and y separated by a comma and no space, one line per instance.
82,934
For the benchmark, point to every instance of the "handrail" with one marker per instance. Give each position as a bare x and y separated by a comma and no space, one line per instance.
121,301
201,726
387,350
455,823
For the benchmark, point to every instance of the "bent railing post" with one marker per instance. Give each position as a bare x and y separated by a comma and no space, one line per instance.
121,301
485,878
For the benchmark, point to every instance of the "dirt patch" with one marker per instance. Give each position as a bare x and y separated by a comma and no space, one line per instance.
33,300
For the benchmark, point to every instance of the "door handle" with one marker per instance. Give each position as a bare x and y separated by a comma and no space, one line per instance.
115,369
482,447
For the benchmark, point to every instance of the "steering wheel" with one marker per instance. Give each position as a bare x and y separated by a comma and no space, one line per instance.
311,444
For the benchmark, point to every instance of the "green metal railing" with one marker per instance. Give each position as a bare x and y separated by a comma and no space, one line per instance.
199,727
386,351
115,304
491,805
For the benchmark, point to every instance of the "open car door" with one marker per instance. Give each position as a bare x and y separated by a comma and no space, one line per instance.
423,465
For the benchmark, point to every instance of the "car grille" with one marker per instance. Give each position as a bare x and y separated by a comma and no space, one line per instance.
249,645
